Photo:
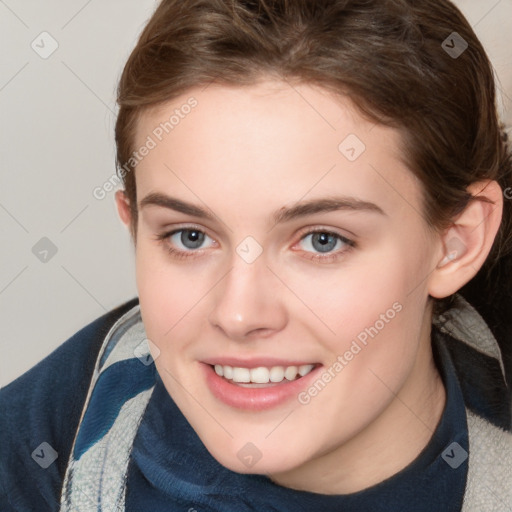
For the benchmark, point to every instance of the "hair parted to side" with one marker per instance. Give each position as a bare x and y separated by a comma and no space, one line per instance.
385,55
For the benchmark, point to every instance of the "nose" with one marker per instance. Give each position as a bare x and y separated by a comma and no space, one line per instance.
248,302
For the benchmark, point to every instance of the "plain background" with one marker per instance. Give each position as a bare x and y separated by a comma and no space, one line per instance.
57,123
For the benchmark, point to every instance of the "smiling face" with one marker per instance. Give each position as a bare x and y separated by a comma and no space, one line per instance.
279,241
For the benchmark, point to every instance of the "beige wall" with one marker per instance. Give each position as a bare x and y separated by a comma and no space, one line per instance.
492,22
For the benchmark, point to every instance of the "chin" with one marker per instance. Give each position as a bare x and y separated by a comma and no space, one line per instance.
255,458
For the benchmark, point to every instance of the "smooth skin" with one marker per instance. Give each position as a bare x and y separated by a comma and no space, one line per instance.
243,154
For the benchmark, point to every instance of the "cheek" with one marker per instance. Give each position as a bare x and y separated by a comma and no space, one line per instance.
172,300
365,313
383,318
353,295
370,356
163,292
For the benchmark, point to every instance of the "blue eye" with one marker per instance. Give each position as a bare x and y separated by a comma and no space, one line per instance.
323,242
184,243
189,239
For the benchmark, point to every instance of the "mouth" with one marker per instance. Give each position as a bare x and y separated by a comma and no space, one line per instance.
258,388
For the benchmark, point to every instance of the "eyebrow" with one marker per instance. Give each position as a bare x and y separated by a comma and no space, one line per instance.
285,214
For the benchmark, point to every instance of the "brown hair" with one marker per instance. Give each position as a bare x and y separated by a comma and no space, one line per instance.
387,56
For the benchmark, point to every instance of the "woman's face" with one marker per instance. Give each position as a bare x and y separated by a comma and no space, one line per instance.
293,255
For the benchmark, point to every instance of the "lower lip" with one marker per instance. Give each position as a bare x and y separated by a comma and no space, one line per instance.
255,399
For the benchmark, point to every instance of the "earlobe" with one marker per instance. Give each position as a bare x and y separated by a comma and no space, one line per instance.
123,207
468,241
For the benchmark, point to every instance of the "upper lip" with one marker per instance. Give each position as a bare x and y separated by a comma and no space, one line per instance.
255,362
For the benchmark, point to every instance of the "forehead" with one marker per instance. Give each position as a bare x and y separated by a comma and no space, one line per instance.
271,143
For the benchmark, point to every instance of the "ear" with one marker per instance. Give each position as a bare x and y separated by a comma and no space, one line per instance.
468,241
123,208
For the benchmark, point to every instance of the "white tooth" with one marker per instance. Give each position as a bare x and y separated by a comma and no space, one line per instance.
228,372
305,369
260,375
291,372
276,374
219,370
241,374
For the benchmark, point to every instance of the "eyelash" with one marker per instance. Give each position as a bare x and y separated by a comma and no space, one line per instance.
162,238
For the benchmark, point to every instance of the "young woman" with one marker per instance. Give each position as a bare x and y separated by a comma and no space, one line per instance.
312,189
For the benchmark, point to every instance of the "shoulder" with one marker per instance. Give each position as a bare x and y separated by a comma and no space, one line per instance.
478,361
38,415
481,372
489,481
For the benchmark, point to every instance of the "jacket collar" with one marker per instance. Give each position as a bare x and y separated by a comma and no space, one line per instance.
465,324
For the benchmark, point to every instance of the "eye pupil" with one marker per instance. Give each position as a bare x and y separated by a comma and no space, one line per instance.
192,238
